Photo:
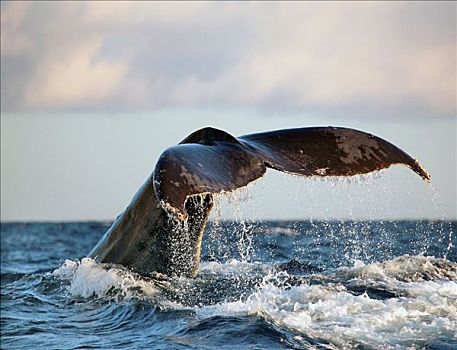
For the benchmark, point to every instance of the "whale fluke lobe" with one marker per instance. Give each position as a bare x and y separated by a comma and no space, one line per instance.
328,151
212,161
162,228
208,161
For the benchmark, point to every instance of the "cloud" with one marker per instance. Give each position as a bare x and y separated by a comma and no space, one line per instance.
75,78
13,41
338,57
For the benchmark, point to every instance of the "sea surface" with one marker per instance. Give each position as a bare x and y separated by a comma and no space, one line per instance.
262,285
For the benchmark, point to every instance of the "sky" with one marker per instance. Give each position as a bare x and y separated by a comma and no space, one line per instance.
93,92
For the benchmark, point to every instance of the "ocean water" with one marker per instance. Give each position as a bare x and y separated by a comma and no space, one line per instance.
262,285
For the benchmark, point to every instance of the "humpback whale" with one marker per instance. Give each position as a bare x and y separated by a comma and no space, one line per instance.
162,228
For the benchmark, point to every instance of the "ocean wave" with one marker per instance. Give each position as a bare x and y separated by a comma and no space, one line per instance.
335,315
405,268
337,309
88,278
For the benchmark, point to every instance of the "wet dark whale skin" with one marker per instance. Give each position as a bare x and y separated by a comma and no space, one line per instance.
162,228
146,239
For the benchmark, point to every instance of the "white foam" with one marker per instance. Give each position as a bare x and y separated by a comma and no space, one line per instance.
426,311
332,314
401,270
88,278
230,267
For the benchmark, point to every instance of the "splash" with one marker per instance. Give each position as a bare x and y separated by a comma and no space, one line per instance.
241,226
408,301
335,315
437,207
88,278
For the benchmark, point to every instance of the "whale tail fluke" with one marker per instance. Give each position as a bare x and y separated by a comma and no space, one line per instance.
213,161
328,151
162,228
